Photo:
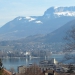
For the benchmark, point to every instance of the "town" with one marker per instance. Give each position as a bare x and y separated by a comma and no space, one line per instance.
45,67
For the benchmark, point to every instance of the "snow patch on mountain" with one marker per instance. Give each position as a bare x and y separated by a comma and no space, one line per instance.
27,17
67,13
54,12
30,18
55,7
38,22
20,19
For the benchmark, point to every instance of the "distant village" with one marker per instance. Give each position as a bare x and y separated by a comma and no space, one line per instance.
28,54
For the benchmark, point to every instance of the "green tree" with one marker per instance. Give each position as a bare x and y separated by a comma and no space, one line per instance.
1,67
1,64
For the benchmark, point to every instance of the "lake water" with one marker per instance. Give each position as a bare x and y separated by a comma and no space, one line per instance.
9,63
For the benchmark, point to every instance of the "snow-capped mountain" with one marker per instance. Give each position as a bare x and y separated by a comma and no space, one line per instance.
60,11
52,19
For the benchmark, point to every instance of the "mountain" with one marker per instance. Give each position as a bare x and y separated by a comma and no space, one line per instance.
52,41
56,36
21,27
55,12
59,34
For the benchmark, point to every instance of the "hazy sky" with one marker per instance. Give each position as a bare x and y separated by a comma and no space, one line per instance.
10,9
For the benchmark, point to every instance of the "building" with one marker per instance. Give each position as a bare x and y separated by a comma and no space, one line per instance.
49,72
21,69
52,72
48,64
30,70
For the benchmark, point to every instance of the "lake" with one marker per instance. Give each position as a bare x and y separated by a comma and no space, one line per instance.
9,63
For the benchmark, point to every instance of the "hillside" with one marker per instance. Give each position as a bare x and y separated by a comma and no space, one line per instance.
53,41
59,34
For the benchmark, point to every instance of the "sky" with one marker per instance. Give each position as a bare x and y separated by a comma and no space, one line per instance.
10,9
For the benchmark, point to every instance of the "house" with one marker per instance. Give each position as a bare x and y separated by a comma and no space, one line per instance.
6,72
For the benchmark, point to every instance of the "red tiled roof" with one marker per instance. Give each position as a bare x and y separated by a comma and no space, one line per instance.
6,72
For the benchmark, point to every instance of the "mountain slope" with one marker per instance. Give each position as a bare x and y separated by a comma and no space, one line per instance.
59,34
53,41
56,36
52,19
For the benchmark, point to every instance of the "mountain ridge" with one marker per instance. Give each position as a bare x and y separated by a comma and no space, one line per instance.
21,27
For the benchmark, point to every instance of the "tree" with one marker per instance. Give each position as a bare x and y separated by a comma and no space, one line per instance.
1,64
33,70
12,70
1,67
